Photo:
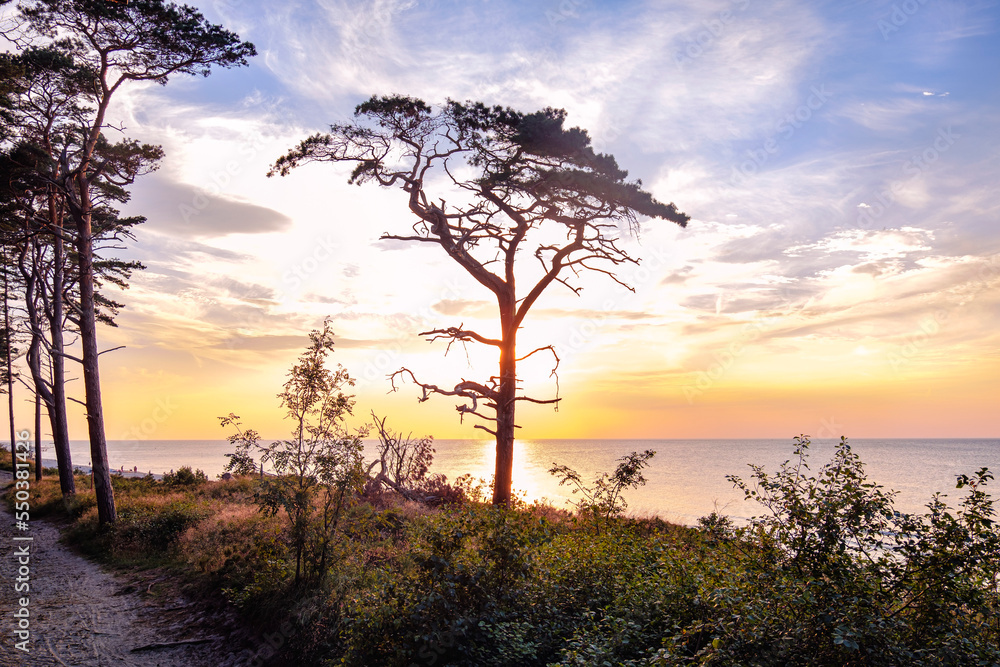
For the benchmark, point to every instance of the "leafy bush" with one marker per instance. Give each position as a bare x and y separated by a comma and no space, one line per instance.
838,576
146,528
185,477
458,600
437,491
604,499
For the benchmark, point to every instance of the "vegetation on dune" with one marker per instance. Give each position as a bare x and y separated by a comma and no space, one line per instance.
398,567
829,574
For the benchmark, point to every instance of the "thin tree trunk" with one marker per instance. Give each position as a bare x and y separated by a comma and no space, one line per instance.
29,268
10,366
57,408
38,437
106,512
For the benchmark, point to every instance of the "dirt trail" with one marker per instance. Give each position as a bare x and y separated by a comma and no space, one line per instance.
81,615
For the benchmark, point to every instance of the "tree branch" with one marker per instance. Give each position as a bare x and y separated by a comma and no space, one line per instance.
457,333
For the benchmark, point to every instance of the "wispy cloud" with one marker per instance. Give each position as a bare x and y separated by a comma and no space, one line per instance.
828,216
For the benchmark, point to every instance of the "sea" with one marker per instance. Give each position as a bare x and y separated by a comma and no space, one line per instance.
686,479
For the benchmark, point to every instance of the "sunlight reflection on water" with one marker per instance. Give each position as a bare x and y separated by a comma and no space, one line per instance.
686,478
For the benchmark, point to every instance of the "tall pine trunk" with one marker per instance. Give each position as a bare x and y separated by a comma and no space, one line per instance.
57,408
38,437
106,512
10,365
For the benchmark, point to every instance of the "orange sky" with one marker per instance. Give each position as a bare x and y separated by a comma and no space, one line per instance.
840,274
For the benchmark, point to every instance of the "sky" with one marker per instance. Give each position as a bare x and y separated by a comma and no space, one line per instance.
840,274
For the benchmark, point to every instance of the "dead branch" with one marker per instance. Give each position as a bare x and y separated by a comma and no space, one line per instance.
458,333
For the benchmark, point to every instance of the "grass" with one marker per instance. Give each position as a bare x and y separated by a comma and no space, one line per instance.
470,584
5,464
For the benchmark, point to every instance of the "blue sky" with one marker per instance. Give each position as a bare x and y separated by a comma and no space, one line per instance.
839,161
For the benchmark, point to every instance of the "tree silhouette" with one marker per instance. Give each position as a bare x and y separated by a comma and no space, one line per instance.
536,188
116,44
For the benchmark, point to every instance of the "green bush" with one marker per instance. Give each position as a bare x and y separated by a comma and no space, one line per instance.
829,574
185,477
144,530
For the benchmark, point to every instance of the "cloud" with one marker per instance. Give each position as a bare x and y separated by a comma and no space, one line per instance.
465,307
678,277
157,247
592,314
185,210
280,343
899,115
870,245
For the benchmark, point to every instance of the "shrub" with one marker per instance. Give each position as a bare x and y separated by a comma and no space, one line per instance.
604,499
184,477
146,528
317,473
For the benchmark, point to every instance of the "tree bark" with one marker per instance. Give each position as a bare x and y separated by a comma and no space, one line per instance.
106,512
10,367
28,264
38,437
57,408
507,391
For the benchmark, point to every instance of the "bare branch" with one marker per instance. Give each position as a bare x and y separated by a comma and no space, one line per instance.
464,388
458,333
491,432
537,400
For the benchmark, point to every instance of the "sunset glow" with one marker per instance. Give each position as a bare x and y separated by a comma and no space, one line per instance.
840,274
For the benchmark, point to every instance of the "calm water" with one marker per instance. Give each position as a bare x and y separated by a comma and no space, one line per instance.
686,478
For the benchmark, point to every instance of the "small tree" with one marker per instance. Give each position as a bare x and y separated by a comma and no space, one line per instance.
604,499
245,442
319,468
521,185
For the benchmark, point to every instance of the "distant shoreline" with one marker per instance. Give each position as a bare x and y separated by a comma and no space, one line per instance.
52,463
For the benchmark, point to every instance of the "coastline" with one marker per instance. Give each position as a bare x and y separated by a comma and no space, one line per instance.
86,470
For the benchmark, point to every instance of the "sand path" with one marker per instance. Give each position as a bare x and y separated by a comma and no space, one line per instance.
82,615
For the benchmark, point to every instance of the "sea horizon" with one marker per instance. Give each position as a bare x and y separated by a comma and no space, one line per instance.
686,479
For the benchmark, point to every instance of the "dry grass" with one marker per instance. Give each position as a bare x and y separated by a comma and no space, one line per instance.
230,536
